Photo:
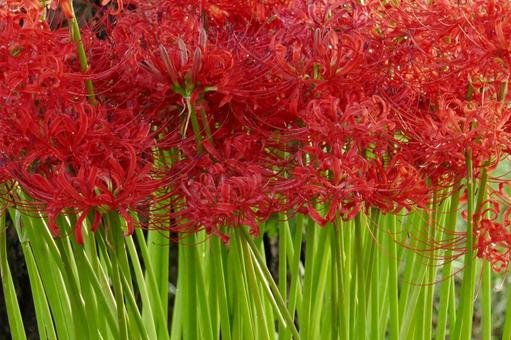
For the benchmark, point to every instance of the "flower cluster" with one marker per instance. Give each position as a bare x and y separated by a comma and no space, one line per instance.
214,114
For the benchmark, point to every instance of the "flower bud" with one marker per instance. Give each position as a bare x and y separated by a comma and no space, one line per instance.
197,64
203,38
171,70
67,9
183,51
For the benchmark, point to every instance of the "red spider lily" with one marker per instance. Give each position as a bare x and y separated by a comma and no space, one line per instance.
436,141
440,48
138,77
493,238
36,62
446,94
67,155
353,160
494,244
440,58
79,160
30,10
65,5
325,107
230,186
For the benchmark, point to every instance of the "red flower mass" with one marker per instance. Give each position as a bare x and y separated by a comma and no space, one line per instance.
225,113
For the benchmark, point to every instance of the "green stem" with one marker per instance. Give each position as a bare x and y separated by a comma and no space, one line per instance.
205,123
262,329
348,298
100,287
304,312
268,279
78,313
203,302
142,288
11,301
463,327
295,266
153,289
244,325
45,322
486,270
486,301
429,289
445,288
361,280
180,313
49,266
393,281
409,255
506,334
414,277
195,124
187,286
372,272
157,272
223,304
82,55
283,266
337,288
320,273
115,236
136,325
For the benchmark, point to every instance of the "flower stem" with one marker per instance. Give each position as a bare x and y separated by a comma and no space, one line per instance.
283,265
393,281
195,124
506,333
447,278
266,276
82,56
361,279
464,323
486,270
11,301
295,289
486,301
115,240
222,300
